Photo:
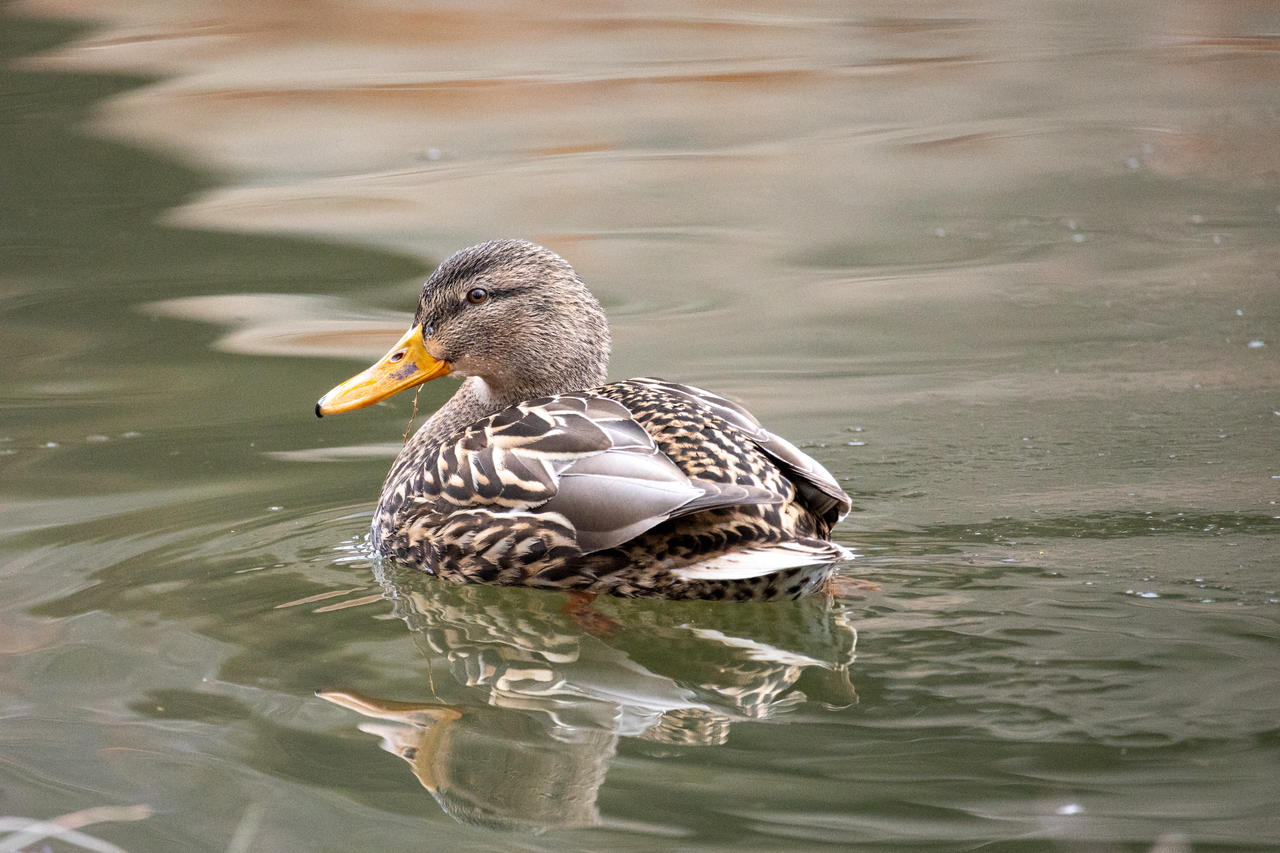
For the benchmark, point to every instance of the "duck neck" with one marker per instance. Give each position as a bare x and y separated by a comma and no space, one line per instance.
468,404
471,402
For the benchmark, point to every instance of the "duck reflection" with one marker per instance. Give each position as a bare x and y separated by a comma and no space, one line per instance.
522,733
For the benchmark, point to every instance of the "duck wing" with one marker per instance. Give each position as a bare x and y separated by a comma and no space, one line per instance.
816,489
579,455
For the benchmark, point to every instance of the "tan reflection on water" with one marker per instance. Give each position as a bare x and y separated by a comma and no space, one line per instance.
284,324
432,127
825,212
689,156
1028,245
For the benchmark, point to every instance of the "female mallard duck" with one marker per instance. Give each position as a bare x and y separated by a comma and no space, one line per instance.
535,473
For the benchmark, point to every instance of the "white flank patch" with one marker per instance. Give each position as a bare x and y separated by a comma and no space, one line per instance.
756,562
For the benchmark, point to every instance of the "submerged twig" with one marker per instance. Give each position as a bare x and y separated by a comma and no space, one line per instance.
413,414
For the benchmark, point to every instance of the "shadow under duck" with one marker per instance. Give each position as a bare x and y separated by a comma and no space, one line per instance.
537,473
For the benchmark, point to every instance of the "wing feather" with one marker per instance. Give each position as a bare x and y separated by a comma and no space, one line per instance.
815,486
580,456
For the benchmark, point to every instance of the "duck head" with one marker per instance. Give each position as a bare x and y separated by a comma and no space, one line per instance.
511,315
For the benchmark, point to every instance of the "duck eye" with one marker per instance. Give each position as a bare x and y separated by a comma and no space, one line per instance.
476,295
428,330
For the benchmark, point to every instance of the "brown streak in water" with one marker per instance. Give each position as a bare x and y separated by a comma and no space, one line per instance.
334,593
562,150
534,94
268,23
1240,44
355,602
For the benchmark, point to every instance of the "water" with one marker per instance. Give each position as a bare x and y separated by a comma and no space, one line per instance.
1009,270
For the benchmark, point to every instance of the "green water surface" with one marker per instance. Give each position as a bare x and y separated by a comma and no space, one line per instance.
1064,455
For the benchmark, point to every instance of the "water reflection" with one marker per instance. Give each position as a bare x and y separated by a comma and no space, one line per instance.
1025,251
522,734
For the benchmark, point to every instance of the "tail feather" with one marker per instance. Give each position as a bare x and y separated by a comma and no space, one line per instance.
760,560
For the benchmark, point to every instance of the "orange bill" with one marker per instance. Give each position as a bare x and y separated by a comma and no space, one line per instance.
406,365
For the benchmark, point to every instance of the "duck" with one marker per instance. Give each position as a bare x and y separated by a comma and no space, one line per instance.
538,472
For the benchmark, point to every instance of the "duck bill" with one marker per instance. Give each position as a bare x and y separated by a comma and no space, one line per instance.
406,365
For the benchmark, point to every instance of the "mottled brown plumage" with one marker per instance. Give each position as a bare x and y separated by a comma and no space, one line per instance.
536,474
